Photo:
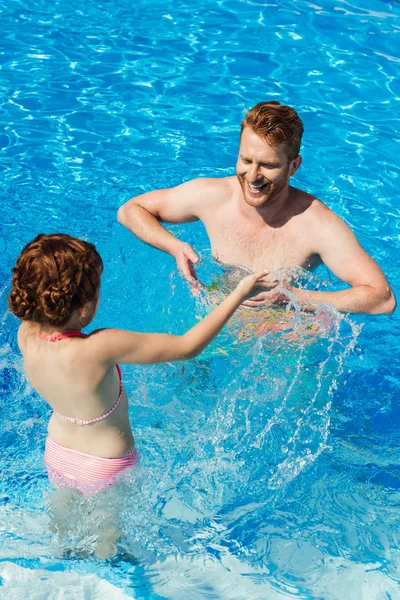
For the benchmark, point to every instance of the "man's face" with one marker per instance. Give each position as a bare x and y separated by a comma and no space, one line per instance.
263,170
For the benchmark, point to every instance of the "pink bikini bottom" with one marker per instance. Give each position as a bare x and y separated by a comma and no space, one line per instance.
84,472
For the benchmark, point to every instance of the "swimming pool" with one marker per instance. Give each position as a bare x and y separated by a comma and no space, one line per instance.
269,469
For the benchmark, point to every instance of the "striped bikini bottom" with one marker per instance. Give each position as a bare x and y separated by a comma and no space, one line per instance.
84,472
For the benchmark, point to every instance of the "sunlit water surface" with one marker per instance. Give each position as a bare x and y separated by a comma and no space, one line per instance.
269,466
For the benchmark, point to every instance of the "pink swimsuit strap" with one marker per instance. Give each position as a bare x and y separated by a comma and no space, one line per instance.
76,421
62,336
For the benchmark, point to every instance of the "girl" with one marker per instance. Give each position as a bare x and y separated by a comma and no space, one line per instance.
55,292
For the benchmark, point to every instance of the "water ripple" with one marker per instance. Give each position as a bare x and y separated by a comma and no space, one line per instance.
275,460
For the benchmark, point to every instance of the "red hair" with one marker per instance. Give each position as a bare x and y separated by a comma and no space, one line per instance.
53,276
277,124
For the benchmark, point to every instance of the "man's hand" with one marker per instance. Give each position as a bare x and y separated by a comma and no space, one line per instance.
185,258
272,297
258,285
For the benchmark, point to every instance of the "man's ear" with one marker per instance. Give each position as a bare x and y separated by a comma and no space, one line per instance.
295,165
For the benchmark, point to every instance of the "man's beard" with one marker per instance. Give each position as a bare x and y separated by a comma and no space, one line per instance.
272,192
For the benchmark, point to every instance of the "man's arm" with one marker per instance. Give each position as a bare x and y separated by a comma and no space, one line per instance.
142,216
339,249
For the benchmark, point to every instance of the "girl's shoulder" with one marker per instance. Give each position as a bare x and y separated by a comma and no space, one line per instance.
25,331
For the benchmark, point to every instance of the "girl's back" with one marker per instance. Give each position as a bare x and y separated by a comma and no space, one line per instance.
68,375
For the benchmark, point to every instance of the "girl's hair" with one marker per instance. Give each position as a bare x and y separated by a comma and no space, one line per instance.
53,276
277,124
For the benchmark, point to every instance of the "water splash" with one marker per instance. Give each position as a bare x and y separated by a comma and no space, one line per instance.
273,413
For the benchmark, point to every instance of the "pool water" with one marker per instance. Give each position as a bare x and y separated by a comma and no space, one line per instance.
269,465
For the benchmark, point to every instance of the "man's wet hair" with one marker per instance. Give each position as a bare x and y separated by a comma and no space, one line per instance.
277,124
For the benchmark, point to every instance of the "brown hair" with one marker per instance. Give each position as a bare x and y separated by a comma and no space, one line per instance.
276,123
53,276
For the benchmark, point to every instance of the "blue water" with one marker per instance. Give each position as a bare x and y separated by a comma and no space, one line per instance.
270,467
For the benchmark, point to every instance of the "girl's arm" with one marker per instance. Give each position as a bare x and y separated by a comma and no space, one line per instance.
121,346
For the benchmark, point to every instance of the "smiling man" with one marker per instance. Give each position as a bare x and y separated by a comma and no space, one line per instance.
258,220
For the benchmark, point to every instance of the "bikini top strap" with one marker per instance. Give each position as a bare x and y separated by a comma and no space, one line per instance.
62,336
77,421
119,373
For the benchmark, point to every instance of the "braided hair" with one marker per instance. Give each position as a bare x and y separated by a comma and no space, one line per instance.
53,276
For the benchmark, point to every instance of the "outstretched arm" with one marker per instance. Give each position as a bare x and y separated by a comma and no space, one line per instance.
120,346
339,249
142,216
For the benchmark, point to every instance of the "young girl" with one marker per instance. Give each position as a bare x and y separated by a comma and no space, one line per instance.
55,292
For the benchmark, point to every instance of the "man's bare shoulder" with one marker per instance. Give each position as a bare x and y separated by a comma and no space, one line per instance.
322,222
323,216
210,188
313,209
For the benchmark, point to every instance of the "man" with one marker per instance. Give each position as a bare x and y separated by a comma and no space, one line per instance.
257,220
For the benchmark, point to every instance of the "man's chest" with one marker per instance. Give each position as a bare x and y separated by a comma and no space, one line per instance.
258,247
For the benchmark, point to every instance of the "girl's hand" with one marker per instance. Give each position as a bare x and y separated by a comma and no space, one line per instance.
119,346
254,284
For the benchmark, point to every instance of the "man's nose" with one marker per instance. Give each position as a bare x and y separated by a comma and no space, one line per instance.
254,172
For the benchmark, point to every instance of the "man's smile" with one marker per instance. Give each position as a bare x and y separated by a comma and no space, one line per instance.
258,188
